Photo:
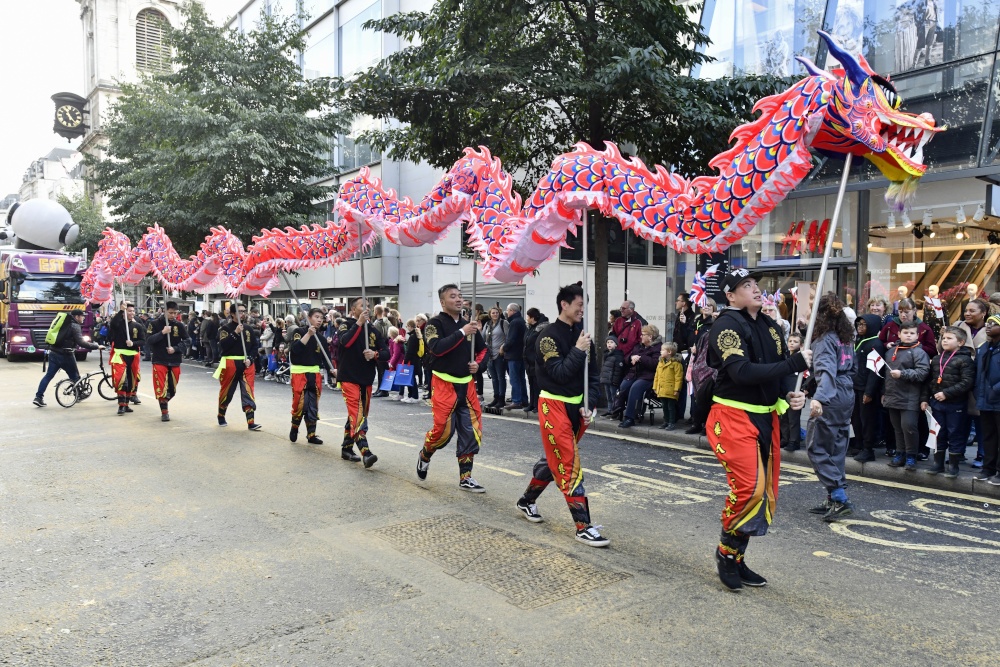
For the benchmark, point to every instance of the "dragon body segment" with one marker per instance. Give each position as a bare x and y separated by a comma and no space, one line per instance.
849,110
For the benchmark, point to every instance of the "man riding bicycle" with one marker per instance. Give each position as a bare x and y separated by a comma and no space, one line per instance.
62,354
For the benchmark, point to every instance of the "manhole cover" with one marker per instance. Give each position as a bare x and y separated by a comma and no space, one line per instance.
527,575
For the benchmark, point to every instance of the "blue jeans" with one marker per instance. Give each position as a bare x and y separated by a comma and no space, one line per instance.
610,393
953,432
631,393
58,360
518,390
498,373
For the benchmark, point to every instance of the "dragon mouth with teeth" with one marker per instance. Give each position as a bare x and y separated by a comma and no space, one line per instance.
903,137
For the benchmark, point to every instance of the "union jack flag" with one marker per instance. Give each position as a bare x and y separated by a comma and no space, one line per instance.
698,296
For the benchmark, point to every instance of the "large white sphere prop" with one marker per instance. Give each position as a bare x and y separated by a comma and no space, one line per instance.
43,223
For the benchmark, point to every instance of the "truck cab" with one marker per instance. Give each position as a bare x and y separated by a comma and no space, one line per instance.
35,285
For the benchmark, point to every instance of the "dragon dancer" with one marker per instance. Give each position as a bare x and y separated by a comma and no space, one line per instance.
126,334
454,402
356,369
307,359
754,386
167,341
238,347
564,349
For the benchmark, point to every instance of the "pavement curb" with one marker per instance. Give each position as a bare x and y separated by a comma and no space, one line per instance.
878,469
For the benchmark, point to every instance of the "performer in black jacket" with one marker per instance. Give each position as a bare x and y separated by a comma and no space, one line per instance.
307,359
238,348
356,365
563,415
755,385
126,334
167,341
454,402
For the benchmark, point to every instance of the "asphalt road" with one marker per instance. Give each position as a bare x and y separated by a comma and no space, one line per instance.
127,541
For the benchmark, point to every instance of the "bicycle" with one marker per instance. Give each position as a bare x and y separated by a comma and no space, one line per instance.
69,393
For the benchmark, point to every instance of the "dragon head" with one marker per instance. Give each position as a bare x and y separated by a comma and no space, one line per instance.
862,117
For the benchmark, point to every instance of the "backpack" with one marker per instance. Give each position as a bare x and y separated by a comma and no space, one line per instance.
58,330
703,379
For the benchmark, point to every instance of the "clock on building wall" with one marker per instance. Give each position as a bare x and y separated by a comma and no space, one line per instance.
70,115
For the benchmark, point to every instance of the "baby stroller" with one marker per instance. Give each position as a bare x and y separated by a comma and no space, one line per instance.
283,374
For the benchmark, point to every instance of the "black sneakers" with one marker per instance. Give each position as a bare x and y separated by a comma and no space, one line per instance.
135,400
839,511
121,410
347,453
222,421
729,570
369,459
467,484
749,577
422,466
592,537
529,510
253,427
165,417
39,401
293,434
313,440
822,508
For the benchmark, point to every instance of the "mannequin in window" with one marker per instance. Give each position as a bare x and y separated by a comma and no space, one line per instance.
935,313
971,292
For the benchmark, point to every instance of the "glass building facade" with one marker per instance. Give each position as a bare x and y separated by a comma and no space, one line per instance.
942,57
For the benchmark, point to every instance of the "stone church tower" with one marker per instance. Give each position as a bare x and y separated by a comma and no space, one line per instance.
120,39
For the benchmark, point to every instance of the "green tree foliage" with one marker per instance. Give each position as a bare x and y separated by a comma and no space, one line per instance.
529,78
232,136
88,216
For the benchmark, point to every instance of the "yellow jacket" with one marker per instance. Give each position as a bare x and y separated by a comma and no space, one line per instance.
669,374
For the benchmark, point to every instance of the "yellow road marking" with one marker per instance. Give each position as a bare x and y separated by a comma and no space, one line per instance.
398,442
503,470
784,466
844,528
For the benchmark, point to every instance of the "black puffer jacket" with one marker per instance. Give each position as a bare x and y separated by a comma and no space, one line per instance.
867,380
957,380
614,368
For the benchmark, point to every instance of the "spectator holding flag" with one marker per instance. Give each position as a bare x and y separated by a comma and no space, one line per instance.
867,387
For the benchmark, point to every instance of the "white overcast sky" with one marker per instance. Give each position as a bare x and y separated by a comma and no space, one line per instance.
41,53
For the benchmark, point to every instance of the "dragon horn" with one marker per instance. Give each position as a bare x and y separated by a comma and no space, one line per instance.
855,72
813,68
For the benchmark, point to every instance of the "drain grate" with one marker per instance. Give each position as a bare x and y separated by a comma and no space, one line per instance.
529,576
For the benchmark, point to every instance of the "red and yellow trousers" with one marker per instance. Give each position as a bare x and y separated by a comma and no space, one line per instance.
456,409
165,379
562,426
306,389
358,399
124,373
233,373
748,446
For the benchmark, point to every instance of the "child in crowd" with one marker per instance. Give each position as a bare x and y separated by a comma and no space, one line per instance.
830,409
908,369
791,421
987,394
413,350
946,392
667,383
612,373
397,352
867,389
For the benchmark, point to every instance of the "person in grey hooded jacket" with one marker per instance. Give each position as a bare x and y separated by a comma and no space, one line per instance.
830,409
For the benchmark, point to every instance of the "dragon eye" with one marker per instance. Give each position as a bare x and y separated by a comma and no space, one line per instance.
891,96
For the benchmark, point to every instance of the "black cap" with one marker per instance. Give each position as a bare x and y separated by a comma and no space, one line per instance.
734,277
75,312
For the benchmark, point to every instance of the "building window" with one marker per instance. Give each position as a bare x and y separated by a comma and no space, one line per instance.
355,154
759,37
360,48
151,51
